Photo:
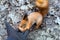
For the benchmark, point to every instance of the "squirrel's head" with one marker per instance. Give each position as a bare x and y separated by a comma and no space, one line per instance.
23,22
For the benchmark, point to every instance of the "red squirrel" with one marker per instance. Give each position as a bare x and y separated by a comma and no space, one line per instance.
36,17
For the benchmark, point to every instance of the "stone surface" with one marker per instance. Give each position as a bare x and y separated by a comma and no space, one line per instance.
14,10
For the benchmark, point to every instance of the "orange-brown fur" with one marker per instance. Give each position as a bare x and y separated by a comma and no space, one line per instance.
35,16
43,6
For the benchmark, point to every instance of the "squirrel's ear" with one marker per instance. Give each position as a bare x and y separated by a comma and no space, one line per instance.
25,17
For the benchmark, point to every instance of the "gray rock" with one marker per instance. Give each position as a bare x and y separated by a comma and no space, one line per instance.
15,17
0,38
2,32
16,11
50,38
2,8
57,20
24,7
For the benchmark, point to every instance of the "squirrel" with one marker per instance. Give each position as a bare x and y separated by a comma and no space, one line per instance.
36,17
27,22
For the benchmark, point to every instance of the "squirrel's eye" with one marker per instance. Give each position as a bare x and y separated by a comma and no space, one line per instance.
20,26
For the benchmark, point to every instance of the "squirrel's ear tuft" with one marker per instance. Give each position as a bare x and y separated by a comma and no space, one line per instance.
25,17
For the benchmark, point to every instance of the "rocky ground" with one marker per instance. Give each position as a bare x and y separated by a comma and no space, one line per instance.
13,11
